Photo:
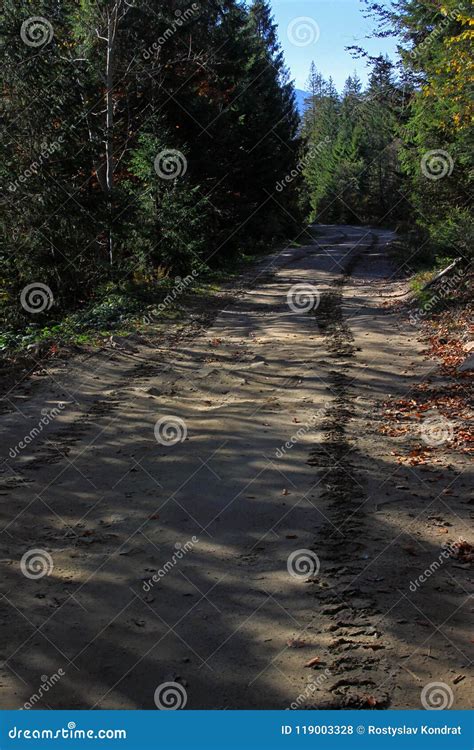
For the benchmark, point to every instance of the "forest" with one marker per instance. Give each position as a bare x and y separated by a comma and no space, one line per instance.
236,359
146,139
400,152
138,134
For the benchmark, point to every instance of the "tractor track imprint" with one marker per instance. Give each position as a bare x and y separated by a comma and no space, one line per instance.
338,543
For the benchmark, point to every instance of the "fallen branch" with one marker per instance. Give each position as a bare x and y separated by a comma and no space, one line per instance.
441,274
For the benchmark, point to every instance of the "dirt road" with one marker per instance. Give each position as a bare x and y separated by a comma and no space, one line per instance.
263,524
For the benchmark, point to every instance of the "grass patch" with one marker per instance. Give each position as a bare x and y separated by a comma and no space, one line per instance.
119,308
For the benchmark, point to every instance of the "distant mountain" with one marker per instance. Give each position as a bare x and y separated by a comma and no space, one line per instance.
300,97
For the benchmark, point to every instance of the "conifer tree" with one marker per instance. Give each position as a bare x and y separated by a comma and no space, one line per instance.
110,89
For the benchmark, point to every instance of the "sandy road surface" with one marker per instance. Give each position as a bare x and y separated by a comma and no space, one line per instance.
281,452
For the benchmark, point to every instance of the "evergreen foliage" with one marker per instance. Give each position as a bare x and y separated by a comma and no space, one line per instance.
401,151
142,138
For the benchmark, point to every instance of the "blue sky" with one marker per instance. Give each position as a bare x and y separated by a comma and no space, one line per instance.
338,24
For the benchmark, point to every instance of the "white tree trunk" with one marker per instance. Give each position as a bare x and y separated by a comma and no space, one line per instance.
112,15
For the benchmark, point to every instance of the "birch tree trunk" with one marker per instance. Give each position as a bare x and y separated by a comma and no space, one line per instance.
112,16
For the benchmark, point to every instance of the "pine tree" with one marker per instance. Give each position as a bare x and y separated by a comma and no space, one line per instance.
117,85
357,178
436,138
315,88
